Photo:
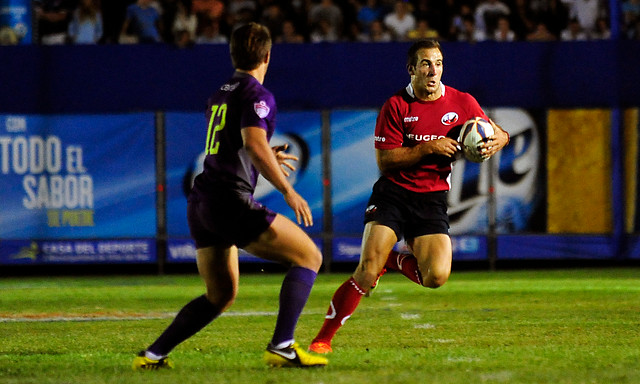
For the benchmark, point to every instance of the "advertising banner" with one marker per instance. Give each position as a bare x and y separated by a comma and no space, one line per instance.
353,168
120,251
15,22
467,248
77,177
186,134
519,188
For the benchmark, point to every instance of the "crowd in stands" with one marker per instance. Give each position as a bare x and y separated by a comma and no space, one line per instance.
188,22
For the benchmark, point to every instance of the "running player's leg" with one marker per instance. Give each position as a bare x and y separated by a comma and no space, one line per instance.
434,254
377,241
218,267
287,243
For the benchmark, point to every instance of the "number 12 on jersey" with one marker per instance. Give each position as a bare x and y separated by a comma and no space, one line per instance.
218,114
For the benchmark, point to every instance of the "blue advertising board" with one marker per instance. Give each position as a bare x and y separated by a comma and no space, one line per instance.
77,177
120,251
15,22
353,167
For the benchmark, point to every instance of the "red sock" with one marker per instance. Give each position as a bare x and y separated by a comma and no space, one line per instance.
405,263
343,304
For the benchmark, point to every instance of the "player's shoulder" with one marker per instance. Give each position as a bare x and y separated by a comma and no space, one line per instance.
461,98
401,97
456,93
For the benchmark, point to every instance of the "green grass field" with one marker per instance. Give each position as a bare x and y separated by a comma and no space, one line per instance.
558,326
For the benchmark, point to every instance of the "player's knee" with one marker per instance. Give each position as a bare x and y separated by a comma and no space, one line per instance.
364,277
222,299
435,280
314,260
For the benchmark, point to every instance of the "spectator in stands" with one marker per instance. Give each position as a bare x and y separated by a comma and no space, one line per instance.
52,20
457,20
573,32
586,12
423,31
602,32
208,9
240,12
401,20
185,20
367,12
142,24
273,18
290,33
503,31
324,32
325,21
356,34
487,14
541,33
210,33
182,39
552,13
237,6
378,33
436,14
86,23
470,33
521,20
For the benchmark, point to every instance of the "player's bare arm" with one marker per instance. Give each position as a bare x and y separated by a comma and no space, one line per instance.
403,157
264,159
495,142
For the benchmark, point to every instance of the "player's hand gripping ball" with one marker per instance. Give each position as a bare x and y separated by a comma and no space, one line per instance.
474,132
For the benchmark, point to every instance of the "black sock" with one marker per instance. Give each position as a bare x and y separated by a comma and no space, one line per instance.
191,318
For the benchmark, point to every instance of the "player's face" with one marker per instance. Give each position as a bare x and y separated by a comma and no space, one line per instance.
426,75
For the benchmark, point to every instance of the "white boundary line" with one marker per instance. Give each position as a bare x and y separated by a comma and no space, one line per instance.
159,316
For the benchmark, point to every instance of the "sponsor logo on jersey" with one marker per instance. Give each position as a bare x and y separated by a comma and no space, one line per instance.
229,87
411,119
413,136
449,118
380,138
261,108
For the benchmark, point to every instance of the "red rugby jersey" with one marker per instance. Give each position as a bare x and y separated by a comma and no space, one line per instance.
405,121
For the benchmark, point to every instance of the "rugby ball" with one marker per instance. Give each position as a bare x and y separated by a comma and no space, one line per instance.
473,133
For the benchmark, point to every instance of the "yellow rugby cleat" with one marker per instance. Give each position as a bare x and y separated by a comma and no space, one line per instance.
292,356
143,363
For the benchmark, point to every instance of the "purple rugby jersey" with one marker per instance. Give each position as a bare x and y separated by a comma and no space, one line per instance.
239,103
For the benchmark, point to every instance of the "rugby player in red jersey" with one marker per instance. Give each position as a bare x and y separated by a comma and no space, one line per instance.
415,146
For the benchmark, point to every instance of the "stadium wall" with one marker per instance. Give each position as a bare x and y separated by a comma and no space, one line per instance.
103,106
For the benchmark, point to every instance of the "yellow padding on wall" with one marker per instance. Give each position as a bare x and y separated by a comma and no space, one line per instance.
579,171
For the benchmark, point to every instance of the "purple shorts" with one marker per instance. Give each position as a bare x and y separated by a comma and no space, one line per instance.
227,218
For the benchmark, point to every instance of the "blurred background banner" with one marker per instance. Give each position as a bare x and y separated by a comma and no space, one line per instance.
15,22
77,176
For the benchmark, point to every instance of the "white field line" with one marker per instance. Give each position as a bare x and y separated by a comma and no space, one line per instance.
45,318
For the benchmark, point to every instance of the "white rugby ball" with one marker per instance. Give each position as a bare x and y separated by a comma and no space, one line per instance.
473,133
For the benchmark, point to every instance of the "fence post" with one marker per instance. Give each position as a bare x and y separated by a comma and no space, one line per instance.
161,195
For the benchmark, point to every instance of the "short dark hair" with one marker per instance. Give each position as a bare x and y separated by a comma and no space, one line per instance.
249,46
412,55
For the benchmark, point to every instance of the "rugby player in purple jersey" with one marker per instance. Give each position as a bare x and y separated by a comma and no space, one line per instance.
223,215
